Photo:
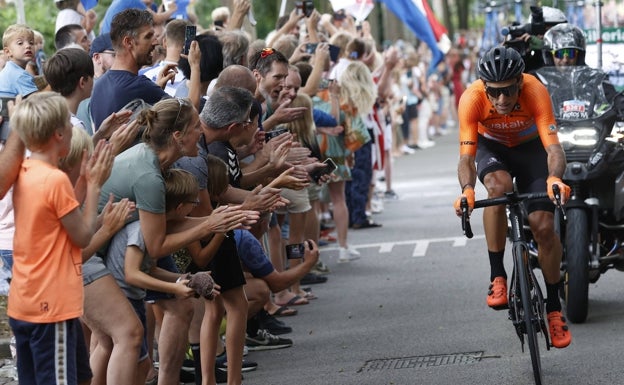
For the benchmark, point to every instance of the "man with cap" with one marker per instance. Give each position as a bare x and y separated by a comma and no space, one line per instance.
102,54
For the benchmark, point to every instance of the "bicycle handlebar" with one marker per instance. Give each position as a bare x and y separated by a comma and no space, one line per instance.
508,198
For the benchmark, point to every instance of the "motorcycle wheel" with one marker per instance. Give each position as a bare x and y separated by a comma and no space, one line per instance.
577,258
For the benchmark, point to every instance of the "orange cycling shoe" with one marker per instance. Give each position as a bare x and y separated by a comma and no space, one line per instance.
497,294
560,336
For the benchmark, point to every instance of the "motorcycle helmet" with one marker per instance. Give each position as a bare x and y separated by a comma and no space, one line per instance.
563,36
500,64
552,16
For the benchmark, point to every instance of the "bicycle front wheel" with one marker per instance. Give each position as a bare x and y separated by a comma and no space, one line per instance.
521,264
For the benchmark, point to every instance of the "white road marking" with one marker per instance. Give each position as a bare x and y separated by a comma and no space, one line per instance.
420,245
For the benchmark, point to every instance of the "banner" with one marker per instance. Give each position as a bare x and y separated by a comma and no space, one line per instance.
359,9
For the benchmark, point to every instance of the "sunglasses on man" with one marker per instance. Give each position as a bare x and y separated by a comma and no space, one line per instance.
495,92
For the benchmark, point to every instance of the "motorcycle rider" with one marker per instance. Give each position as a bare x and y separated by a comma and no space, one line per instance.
507,130
564,46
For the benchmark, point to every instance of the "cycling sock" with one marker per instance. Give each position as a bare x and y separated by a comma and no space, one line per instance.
497,268
197,359
552,297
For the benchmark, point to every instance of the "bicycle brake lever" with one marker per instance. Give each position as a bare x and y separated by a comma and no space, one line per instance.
557,194
467,229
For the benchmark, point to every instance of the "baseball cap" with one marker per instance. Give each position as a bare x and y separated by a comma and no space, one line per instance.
101,43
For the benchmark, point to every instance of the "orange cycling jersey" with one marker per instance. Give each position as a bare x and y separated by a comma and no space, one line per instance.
532,117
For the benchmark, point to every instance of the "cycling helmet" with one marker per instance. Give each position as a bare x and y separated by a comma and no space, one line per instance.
563,36
552,16
500,64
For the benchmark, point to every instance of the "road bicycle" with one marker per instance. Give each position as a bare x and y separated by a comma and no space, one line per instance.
525,299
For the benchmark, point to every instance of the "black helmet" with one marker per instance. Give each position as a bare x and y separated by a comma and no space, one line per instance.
563,36
500,64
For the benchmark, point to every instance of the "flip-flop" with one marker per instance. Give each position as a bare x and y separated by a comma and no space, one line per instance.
284,311
308,295
294,301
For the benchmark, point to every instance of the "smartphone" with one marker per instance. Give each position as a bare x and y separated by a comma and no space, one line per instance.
334,51
330,167
311,47
4,112
272,134
304,8
190,34
295,251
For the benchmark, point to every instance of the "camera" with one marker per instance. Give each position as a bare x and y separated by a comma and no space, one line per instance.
537,26
295,251
304,7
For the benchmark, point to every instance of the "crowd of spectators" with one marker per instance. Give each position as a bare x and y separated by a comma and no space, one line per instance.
163,160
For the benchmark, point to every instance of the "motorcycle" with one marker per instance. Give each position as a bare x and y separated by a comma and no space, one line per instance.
593,234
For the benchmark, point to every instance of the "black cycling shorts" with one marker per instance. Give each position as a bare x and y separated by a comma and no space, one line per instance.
527,163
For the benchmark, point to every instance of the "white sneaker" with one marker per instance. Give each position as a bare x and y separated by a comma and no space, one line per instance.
346,255
426,144
406,150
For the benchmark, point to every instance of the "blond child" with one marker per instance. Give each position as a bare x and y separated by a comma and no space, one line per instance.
18,44
46,296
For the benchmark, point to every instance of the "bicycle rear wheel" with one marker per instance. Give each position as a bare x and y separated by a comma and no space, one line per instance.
522,270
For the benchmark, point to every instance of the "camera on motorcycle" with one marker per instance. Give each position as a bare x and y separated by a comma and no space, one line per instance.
535,27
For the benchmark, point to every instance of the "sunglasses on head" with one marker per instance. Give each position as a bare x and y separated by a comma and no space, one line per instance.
495,92
570,53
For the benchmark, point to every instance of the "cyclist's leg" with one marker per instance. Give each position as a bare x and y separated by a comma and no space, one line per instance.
493,173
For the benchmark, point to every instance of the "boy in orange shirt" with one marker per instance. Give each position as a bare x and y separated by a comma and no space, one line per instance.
46,296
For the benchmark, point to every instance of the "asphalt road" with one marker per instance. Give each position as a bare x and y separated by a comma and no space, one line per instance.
412,309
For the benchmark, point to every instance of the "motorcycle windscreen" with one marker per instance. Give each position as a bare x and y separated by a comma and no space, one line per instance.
576,92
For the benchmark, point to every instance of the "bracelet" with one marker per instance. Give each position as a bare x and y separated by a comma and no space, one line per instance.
467,185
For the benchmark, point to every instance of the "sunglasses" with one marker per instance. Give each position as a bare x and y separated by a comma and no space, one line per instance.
495,92
570,53
181,102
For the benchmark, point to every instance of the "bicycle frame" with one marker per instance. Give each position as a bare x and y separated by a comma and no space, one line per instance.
525,299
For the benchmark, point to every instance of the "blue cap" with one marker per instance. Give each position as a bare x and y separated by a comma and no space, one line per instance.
101,43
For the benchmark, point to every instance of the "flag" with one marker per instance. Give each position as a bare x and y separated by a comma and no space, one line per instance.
424,24
359,9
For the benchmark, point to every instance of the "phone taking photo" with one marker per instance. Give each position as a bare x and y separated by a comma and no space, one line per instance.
190,34
330,167
295,251
275,133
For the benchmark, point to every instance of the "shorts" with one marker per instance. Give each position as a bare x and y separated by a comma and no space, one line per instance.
139,308
168,264
51,353
225,267
527,163
299,201
314,192
93,269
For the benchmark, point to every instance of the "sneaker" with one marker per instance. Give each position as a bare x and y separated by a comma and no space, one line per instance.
272,324
321,268
497,294
221,364
426,144
560,336
266,341
390,195
407,150
312,278
346,255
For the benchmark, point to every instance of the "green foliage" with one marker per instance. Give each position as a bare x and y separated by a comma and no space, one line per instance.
40,15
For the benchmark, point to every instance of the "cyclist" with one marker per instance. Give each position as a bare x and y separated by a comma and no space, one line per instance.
507,130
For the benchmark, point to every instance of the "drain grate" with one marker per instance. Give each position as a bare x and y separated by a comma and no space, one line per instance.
418,362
